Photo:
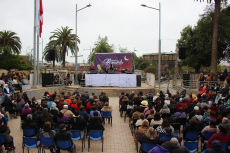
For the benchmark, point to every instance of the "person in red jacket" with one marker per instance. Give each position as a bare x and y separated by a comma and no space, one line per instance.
69,102
213,107
221,135
183,104
201,89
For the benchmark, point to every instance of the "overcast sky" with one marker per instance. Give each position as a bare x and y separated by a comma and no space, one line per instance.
124,22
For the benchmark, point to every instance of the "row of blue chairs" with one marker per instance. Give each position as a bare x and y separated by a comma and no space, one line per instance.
3,140
31,142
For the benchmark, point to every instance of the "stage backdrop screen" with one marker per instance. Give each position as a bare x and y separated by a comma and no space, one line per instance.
120,60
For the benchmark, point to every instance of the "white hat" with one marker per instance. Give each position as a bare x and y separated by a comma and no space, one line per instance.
196,108
65,107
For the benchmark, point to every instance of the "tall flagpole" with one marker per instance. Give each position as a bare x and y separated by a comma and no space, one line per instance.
34,78
38,35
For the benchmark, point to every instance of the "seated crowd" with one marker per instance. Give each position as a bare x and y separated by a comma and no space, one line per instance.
64,112
153,118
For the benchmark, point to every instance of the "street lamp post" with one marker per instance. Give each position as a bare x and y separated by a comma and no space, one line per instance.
76,50
159,47
134,58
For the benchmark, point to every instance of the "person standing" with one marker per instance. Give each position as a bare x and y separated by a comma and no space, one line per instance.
111,65
79,78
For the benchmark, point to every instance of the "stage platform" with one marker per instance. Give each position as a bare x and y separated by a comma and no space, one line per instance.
111,91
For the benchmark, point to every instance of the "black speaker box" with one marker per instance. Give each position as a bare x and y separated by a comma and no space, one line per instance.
182,53
93,72
47,79
129,72
138,80
110,71
186,76
51,55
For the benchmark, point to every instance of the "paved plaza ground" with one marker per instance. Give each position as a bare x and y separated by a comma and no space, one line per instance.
117,139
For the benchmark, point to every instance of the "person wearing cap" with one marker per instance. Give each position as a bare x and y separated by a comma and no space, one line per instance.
83,113
66,112
62,135
26,110
169,135
150,137
50,102
5,131
78,122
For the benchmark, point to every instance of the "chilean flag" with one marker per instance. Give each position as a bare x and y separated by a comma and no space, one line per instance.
39,19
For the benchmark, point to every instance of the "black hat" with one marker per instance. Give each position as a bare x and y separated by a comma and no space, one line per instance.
62,126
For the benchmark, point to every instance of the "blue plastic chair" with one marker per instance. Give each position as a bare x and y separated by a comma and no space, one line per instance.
161,135
208,135
107,115
30,142
77,136
95,135
228,131
3,140
56,130
192,135
28,132
46,142
65,145
139,137
224,145
147,146
191,145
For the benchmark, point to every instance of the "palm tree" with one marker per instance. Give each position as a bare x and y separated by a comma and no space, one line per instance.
9,38
64,40
51,46
215,37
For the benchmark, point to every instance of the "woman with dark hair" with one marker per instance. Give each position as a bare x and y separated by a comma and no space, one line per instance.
183,104
34,103
147,109
179,114
193,126
46,116
223,114
157,120
225,90
172,98
221,135
141,130
121,96
140,94
177,100
104,98
178,105
62,117
47,132
210,128
165,123
150,137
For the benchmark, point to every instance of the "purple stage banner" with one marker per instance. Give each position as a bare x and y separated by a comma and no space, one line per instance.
120,60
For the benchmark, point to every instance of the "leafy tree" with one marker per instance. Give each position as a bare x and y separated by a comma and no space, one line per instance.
63,40
101,46
9,38
198,40
151,69
215,40
11,61
144,65
51,46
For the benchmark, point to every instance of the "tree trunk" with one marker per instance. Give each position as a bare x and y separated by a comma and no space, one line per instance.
197,70
64,51
215,39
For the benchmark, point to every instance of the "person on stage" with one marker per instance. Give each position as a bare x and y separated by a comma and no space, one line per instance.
111,65
92,67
